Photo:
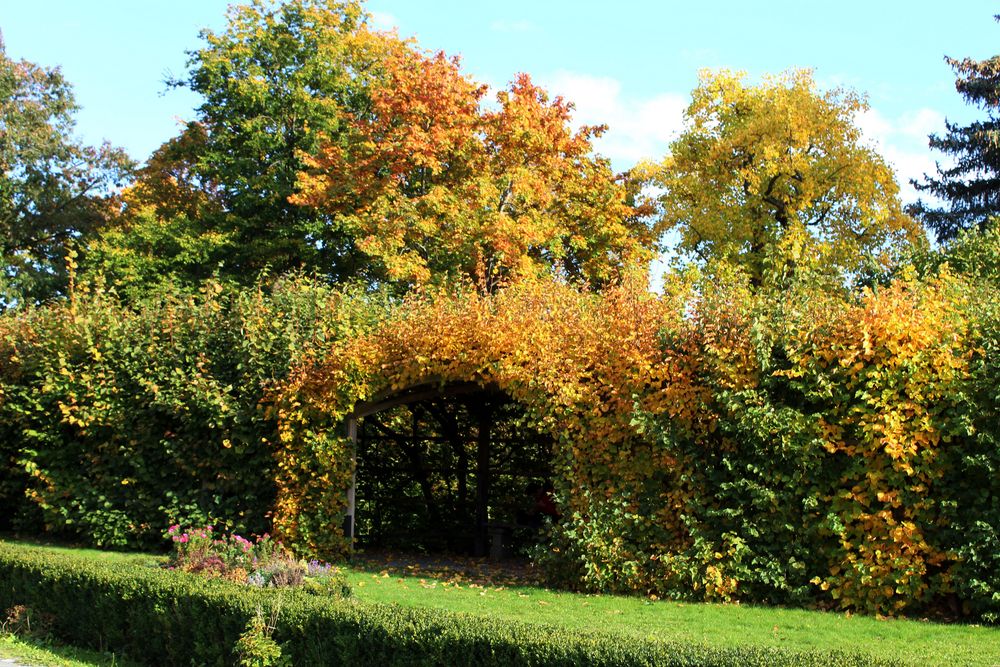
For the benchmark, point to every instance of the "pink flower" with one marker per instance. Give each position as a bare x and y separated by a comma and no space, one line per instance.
183,538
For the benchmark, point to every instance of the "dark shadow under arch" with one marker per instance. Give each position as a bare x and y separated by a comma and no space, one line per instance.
466,453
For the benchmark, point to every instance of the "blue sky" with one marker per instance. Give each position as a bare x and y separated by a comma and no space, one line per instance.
631,65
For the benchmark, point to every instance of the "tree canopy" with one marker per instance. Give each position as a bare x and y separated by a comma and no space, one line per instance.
273,81
970,186
167,231
326,146
53,188
774,175
435,184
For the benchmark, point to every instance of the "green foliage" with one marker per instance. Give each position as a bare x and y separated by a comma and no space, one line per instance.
970,186
167,235
256,647
121,420
168,618
278,77
974,254
971,499
53,189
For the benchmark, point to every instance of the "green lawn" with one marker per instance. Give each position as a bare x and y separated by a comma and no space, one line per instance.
919,642
914,641
44,654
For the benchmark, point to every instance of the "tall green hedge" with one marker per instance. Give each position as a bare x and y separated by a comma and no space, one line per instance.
118,420
806,446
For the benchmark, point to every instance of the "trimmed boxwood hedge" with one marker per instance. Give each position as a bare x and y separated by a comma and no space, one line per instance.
161,617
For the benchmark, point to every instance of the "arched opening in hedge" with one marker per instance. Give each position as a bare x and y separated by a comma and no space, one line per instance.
577,366
448,467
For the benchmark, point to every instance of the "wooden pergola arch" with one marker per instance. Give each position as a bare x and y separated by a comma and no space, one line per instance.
432,388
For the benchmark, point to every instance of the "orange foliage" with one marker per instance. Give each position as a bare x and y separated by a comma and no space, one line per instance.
436,186
893,362
660,405
577,362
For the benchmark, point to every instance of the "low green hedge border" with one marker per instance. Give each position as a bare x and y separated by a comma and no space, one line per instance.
160,617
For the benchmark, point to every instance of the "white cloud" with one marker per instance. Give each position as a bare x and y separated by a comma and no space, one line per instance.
921,123
902,141
383,21
638,128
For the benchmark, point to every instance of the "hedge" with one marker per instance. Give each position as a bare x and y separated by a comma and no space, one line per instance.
118,420
717,442
170,618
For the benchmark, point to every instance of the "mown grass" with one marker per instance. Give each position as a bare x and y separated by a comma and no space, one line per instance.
912,641
41,653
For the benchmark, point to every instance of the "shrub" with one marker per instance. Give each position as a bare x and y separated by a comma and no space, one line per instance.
168,618
118,418
256,647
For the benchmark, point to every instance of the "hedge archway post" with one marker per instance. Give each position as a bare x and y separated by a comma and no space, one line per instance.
352,435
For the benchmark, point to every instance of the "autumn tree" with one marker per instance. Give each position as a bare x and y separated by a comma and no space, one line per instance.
53,187
970,187
276,78
434,184
777,174
169,228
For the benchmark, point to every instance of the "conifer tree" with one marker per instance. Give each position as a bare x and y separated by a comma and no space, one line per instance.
970,188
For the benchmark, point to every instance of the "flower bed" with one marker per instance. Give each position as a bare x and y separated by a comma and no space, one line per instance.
261,563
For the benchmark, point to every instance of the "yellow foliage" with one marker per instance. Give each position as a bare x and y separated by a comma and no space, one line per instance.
778,175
